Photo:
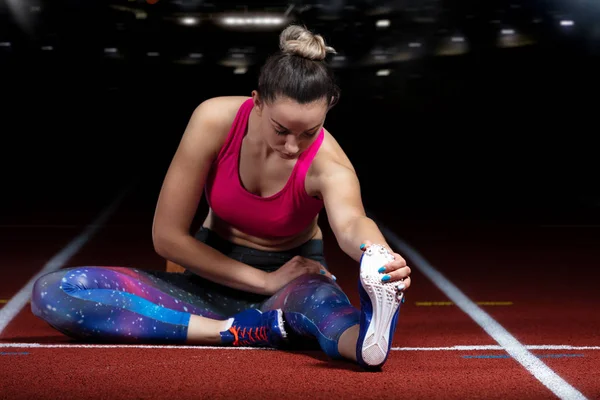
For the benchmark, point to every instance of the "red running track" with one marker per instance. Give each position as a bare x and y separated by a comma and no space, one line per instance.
523,265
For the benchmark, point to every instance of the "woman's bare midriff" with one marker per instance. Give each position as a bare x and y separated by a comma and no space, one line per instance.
229,233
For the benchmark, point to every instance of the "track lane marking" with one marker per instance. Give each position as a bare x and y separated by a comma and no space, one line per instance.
544,374
19,300
200,347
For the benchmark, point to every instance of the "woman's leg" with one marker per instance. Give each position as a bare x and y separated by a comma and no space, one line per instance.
316,307
130,305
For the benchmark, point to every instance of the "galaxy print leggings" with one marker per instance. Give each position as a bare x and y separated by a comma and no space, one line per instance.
128,305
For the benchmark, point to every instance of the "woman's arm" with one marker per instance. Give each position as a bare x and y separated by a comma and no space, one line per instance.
181,193
339,187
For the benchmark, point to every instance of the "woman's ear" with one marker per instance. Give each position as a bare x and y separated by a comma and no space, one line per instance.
333,102
258,104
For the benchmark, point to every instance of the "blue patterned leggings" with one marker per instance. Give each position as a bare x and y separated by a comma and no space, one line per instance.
128,305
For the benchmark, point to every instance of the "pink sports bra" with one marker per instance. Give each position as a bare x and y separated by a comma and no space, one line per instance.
286,213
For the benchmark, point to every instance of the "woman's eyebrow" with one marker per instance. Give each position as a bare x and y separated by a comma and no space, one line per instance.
314,127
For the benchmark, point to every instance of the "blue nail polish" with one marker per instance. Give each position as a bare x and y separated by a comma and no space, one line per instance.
381,270
362,246
386,278
322,272
334,278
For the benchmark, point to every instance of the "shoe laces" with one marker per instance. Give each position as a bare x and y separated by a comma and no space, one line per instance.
248,336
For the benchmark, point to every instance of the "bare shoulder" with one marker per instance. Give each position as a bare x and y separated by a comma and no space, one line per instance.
219,111
222,106
211,121
330,166
331,156
208,127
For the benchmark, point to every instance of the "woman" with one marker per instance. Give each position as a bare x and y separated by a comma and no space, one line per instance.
255,272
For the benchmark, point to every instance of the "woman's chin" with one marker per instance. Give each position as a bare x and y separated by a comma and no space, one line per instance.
287,156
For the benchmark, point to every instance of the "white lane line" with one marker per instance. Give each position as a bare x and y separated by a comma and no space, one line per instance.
124,346
496,347
19,300
187,347
508,342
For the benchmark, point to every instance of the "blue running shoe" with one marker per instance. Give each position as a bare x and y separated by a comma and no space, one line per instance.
380,306
254,328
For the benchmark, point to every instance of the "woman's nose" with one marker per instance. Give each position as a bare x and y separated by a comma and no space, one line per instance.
291,144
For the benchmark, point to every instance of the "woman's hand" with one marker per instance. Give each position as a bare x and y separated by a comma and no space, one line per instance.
291,270
397,270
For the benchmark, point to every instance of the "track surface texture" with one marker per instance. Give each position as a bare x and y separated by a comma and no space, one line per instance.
514,272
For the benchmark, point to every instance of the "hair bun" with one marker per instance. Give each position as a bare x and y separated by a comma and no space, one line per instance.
299,41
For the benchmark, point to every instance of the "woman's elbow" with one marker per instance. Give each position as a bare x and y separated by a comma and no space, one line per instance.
159,246
161,242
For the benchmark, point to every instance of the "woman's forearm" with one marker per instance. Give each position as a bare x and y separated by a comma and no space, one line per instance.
360,229
211,264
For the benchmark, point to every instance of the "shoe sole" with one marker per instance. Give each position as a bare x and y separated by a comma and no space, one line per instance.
385,298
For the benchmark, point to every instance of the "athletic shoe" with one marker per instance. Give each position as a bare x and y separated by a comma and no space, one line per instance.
380,306
254,328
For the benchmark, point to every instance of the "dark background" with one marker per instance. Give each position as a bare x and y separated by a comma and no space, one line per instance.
504,128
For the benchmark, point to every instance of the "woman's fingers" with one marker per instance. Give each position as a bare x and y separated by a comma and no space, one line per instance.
317,268
396,275
406,282
394,271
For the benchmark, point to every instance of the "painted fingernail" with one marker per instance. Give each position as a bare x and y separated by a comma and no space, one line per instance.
386,278
362,246
382,269
333,277
322,272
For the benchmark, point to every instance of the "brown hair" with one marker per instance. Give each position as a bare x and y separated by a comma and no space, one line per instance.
299,70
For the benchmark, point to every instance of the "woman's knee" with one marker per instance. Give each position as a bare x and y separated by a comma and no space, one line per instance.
311,290
321,288
44,290
50,297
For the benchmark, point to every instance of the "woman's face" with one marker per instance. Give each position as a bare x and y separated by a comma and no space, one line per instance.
289,127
